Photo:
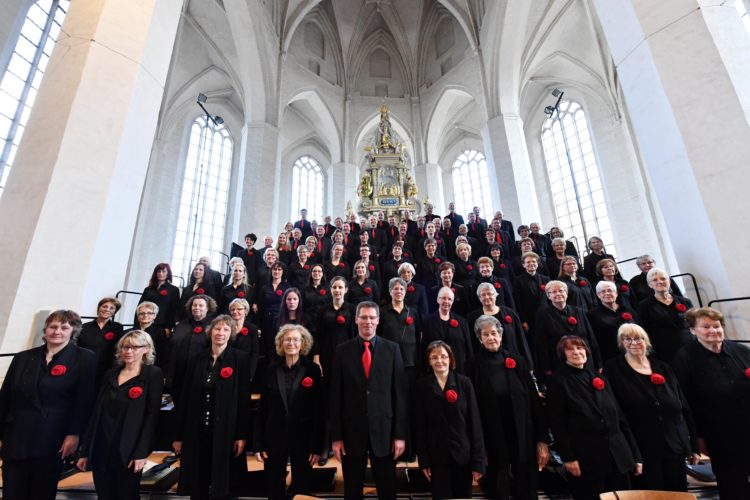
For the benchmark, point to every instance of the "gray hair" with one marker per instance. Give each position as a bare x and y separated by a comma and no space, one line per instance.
396,281
557,283
406,267
605,284
147,303
653,271
643,258
486,320
485,286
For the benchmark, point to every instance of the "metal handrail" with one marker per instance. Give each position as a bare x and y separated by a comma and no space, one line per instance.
626,260
695,285
575,242
732,299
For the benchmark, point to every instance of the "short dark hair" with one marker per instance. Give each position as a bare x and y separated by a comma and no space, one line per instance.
695,313
65,316
251,236
568,341
113,300
439,344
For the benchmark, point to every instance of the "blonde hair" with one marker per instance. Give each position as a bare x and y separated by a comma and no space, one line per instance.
631,329
137,337
307,339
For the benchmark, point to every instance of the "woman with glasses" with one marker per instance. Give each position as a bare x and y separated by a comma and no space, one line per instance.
118,440
652,401
146,314
450,443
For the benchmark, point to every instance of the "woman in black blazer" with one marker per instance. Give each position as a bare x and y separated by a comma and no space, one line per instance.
101,336
237,288
416,294
45,405
589,430
198,284
118,440
450,444
515,430
362,287
248,336
652,401
213,417
289,424
165,295
449,327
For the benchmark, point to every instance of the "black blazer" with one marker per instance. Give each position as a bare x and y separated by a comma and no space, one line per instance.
167,297
294,424
587,424
38,409
447,429
368,412
141,414
458,336
665,325
102,342
553,324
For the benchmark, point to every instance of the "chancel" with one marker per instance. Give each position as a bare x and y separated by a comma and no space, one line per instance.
577,164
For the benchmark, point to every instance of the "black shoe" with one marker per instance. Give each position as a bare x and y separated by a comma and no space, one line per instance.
322,461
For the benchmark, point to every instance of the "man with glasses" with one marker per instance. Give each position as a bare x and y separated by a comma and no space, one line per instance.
368,406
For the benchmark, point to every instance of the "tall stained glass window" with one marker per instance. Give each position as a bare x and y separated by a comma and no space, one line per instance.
308,188
471,184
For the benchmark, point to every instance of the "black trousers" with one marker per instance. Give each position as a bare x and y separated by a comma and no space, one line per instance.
119,484
31,478
731,475
275,468
383,469
589,486
663,471
450,480
523,485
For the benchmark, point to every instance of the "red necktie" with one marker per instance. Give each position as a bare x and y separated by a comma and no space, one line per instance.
301,223
373,234
367,359
346,239
320,243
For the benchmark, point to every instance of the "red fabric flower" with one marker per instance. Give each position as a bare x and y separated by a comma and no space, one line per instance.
58,370
437,260
198,329
368,290
626,316
371,268
135,392
451,396
453,289
572,320
497,285
163,293
582,283
340,319
542,287
322,291
109,336
681,308
469,267
342,265
279,292
200,291
510,363
598,383
502,266
241,294
226,372
624,288
243,331
454,323
409,320
747,372
508,319
306,267
307,382
410,289
657,379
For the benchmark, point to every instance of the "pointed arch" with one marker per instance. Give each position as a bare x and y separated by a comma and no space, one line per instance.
330,130
439,118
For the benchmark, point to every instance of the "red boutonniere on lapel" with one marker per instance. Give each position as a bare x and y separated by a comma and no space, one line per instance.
469,267
58,370
598,383
135,392
163,293
340,319
198,329
453,323
626,316
409,320
322,291
508,319
307,382
226,372
109,336
200,291
241,294
624,288
681,308
542,287
410,289
510,363
657,379
279,292
368,290
451,396
582,283
243,331
572,320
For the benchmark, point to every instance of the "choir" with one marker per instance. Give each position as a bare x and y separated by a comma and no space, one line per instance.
478,355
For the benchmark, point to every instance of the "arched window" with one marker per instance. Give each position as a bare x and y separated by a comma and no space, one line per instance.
574,176
307,188
205,195
471,183
23,75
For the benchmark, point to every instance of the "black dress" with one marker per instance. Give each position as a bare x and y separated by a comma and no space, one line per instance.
454,332
513,422
231,292
660,419
529,296
514,338
361,292
334,327
313,300
269,302
167,297
103,342
605,322
665,325
248,340
580,292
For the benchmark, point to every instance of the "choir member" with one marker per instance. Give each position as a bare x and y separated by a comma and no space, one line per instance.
335,325
238,288
427,266
290,310
501,265
503,287
316,294
247,338
525,245
101,336
607,317
449,435
558,250
597,254
362,287
145,313
268,303
164,294
528,291
466,268
607,270
416,294
554,233
461,298
663,316
337,266
45,404
451,328
118,440
590,431
653,403
393,263
313,256
515,430
289,424
270,257
299,270
639,283
714,373
251,258
284,251
580,291
213,416
198,284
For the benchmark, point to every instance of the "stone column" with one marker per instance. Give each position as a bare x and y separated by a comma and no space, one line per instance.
260,171
342,181
69,209
429,179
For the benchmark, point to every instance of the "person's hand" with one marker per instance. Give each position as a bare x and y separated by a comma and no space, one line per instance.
137,465
476,476
638,469
338,449
313,458
398,447
261,456
255,308
694,459
427,473
573,468
542,455
316,360
82,464
702,446
177,446
239,447
69,446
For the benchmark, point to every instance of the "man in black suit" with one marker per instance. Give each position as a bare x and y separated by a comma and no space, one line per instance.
323,243
215,277
368,407
303,224
411,225
456,219
429,215
378,238
506,226
329,228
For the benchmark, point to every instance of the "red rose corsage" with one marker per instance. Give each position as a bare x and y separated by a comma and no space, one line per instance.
451,396
453,323
279,292
626,316
542,287
322,291
371,268
198,329
306,267
135,392
307,382
624,288
572,320
437,260
226,372
502,266
58,370
657,379
598,383
497,285
747,372
681,308
453,289
109,336
342,265
200,291
368,290
410,289
469,267
340,319
508,319
241,294
582,283
409,320
163,293
510,363
243,331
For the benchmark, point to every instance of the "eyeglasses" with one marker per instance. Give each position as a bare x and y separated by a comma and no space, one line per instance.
633,340
146,313
442,357
292,341
132,347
